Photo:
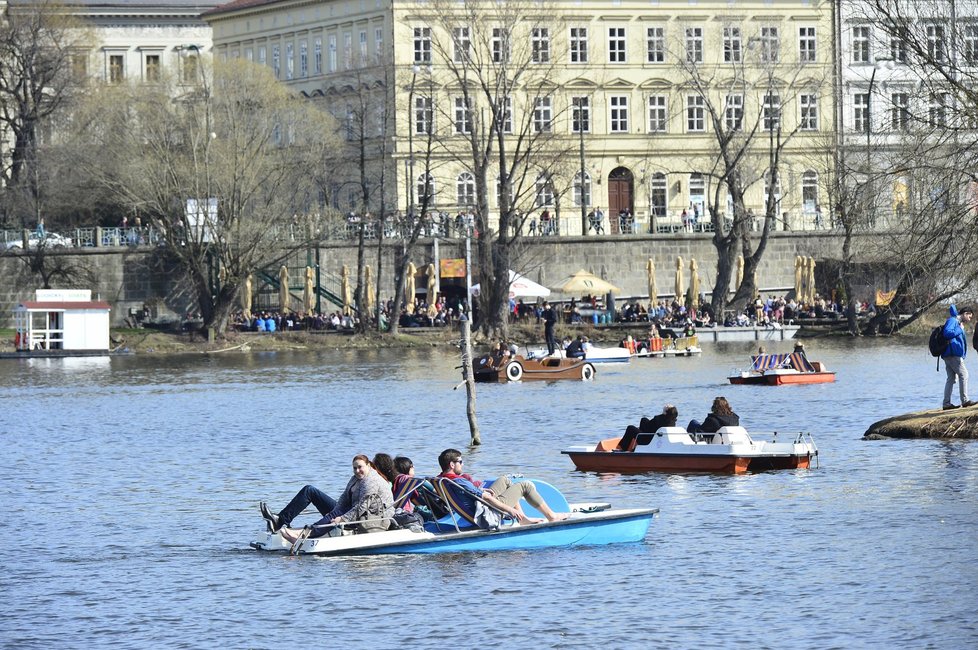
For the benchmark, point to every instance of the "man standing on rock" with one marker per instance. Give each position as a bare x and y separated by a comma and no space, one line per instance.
954,354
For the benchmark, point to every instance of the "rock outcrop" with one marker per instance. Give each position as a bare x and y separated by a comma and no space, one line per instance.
959,424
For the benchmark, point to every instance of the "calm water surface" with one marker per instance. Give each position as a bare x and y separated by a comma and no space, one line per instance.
130,490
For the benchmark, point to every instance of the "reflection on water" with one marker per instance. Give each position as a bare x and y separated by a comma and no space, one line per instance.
130,486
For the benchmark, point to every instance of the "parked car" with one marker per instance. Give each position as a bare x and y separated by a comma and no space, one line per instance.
49,240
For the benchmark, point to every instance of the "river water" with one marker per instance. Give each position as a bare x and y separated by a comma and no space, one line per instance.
130,489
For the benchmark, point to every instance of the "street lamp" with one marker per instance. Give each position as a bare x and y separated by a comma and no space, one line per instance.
888,64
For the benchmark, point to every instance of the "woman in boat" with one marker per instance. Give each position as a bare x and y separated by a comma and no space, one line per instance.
384,464
667,418
366,499
721,415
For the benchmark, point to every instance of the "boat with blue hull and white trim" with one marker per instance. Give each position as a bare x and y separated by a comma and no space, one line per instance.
589,524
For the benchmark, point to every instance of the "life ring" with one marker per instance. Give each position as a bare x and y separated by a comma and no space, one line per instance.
514,371
587,372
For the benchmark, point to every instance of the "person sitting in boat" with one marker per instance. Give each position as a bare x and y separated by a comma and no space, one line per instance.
367,499
721,415
504,495
667,418
384,465
575,349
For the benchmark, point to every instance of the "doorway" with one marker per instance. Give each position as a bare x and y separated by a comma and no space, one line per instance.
620,197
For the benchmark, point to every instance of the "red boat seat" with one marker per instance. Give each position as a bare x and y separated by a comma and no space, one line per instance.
608,444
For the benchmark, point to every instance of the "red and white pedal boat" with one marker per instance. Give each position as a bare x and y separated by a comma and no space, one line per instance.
781,369
671,449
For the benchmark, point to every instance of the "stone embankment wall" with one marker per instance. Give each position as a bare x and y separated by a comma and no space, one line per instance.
132,278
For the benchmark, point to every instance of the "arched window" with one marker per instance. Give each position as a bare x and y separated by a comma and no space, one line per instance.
582,192
777,193
425,189
465,189
659,195
545,190
697,196
809,191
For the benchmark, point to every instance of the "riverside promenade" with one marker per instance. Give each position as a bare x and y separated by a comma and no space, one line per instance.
131,277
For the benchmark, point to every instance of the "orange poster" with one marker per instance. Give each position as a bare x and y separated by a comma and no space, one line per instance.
453,268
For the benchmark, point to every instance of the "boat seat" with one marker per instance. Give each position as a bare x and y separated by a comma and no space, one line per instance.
644,439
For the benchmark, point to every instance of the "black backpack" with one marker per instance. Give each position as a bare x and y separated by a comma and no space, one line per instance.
937,344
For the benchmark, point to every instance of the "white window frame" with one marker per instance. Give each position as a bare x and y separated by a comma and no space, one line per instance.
289,61
617,45
733,112
618,114
544,190
771,112
303,59
770,44
658,113
808,117
580,114
347,50
364,47
578,51
461,43
540,45
900,112
861,44
695,114
331,54
422,45
577,189
462,124
733,50
694,44
500,45
424,115
317,55
807,44
276,61
860,113
936,42
543,115
970,49
465,189
655,44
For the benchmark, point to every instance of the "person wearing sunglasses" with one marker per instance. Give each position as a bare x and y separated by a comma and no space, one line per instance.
503,494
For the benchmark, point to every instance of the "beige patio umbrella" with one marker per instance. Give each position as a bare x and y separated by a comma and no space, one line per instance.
680,295
740,272
584,282
432,285
653,289
368,280
694,284
345,290
811,279
245,296
799,264
308,296
283,289
409,290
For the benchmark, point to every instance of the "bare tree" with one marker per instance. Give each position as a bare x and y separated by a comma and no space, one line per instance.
38,49
926,149
499,62
741,102
221,169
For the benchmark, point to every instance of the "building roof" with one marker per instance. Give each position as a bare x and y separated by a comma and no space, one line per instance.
64,306
200,5
235,5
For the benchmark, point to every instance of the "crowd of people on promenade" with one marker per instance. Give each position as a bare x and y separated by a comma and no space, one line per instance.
368,503
418,314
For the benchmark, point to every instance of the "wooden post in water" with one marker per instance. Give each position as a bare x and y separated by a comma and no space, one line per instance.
465,325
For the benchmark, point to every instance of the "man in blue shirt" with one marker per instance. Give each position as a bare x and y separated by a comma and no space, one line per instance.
954,354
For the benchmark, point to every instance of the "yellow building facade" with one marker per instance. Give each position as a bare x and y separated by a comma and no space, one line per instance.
647,99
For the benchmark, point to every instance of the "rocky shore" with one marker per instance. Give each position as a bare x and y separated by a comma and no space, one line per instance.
956,424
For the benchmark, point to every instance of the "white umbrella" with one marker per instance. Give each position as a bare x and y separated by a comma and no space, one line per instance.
520,287
584,282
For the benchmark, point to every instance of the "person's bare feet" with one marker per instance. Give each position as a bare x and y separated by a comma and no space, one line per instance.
560,516
531,520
